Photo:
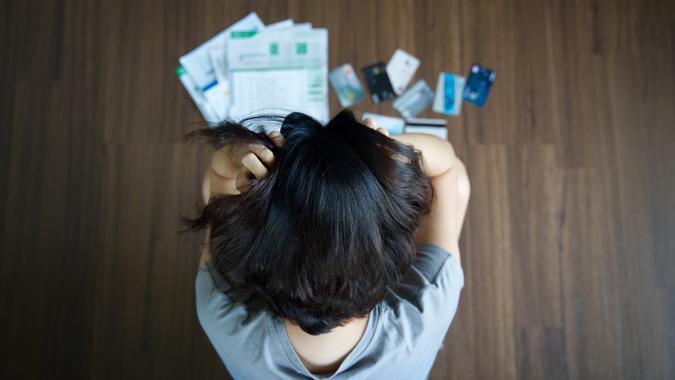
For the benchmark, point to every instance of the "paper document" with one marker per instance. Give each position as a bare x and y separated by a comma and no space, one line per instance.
198,62
280,25
279,71
251,68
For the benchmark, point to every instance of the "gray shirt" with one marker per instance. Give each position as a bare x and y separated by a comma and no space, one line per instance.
401,340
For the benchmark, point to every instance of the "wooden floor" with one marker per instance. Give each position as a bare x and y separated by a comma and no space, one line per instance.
569,245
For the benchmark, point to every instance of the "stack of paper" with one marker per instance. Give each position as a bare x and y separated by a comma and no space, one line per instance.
251,68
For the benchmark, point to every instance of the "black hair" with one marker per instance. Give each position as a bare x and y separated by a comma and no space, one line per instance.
329,229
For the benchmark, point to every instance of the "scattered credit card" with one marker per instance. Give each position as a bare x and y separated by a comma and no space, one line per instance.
478,85
436,130
449,90
425,122
441,132
400,69
436,127
415,100
378,82
393,125
346,85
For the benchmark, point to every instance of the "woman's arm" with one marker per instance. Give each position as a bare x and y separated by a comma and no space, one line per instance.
452,189
438,156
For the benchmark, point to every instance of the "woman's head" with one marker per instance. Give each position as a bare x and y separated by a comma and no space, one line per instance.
329,229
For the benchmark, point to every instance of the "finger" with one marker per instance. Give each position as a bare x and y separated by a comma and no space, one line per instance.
383,131
370,123
243,181
264,154
277,138
252,163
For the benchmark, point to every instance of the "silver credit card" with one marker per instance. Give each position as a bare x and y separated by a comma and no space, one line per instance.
415,100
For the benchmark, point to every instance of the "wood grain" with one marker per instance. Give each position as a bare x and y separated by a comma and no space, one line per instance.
568,248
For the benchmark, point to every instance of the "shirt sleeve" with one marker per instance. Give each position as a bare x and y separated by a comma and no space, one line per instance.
209,276
427,296
217,312
219,304
432,268
440,296
233,321
430,260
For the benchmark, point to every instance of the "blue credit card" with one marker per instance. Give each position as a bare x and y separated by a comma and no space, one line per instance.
478,85
449,91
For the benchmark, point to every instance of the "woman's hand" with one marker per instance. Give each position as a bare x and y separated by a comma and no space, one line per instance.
370,123
233,165
438,155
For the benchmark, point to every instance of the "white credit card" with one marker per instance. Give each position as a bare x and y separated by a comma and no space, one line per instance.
400,69
441,132
393,125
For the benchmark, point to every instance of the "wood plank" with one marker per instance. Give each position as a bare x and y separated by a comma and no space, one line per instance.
568,248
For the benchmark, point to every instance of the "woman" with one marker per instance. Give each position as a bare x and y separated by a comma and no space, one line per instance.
331,251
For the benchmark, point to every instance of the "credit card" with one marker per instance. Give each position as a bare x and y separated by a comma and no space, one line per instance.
378,82
441,132
449,90
346,85
415,100
393,125
425,122
478,85
400,69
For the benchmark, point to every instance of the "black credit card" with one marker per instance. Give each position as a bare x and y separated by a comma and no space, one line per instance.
378,82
